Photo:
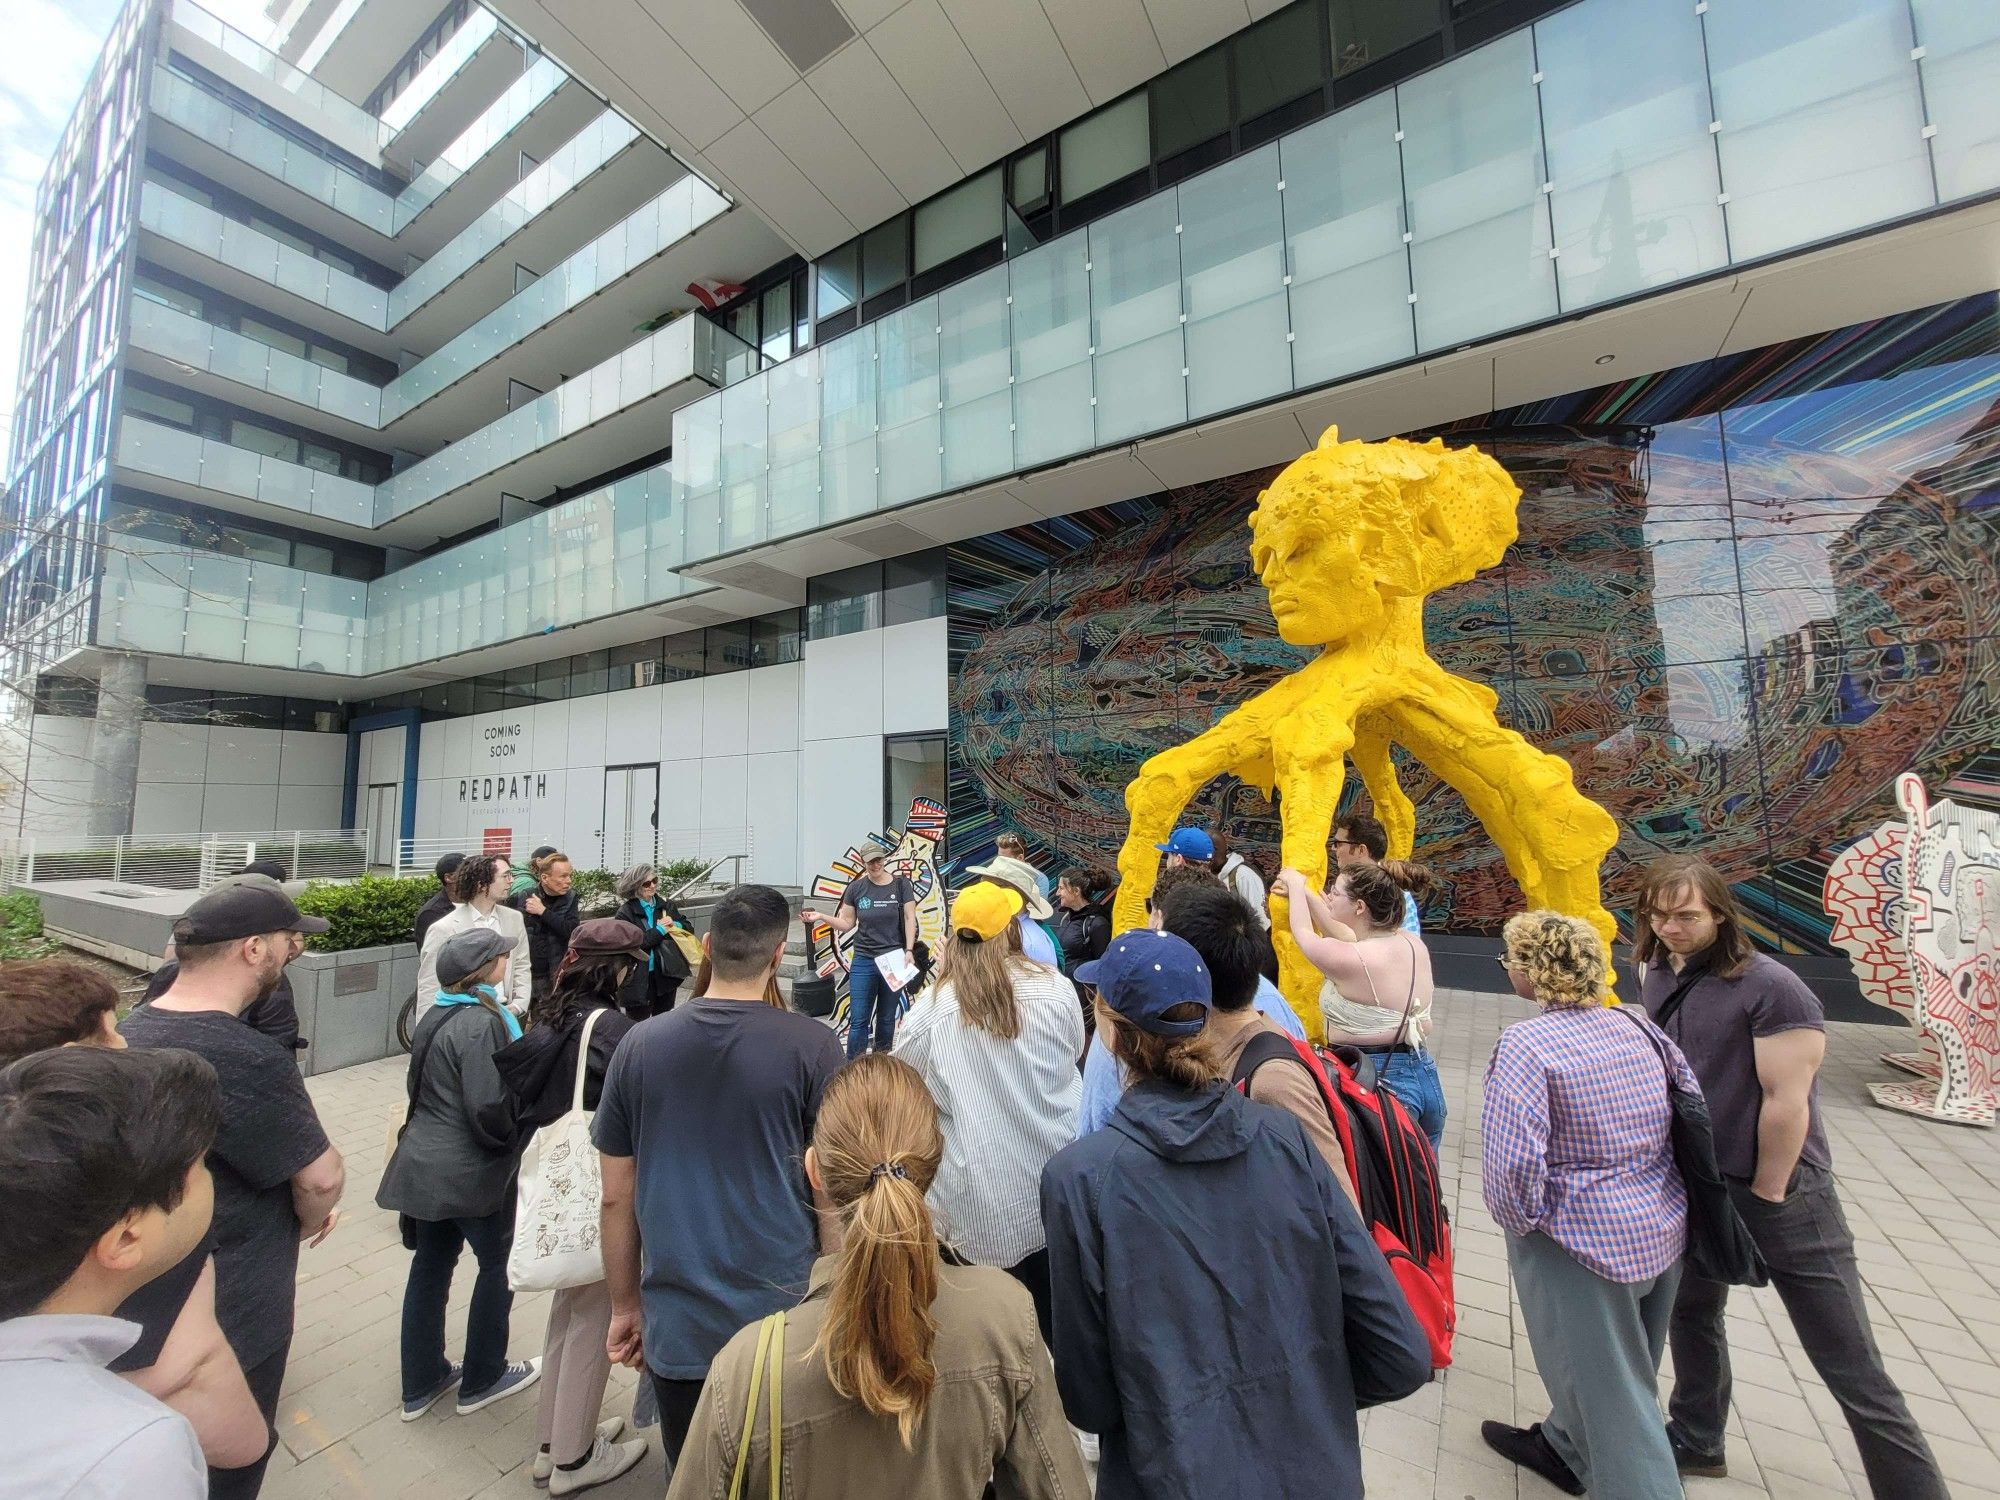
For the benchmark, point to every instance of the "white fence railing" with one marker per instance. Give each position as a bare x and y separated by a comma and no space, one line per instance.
183,862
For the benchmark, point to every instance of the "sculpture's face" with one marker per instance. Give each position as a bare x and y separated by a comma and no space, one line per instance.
1316,557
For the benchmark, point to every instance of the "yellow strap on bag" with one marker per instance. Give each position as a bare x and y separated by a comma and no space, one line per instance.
771,1340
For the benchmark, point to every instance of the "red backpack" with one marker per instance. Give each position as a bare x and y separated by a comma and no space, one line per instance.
1394,1172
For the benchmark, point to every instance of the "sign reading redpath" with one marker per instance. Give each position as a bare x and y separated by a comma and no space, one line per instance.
503,743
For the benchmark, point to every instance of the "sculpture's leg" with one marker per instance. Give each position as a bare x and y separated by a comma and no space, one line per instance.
1553,837
1309,751
1240,741
1396,812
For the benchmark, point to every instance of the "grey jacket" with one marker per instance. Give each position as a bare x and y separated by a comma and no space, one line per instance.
458,1156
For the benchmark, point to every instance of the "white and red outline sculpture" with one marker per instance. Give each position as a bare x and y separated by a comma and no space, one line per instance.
1916,908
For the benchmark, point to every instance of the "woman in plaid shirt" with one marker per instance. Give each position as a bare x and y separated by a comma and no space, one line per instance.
1578,1168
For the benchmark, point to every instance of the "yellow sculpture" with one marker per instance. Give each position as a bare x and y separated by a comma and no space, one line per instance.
1348,539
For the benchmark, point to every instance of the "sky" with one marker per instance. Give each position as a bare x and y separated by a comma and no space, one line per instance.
50,46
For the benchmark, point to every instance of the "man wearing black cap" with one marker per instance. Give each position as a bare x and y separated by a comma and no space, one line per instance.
277,1178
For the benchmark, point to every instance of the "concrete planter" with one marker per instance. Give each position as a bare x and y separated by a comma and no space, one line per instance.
348,1003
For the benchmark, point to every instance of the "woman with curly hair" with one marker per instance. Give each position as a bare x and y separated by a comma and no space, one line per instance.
1578,1169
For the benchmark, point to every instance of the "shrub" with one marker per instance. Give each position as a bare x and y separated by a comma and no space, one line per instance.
596,892
371,912
674,871
21,928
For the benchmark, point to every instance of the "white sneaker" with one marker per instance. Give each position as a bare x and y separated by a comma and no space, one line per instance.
608,1460
609,1430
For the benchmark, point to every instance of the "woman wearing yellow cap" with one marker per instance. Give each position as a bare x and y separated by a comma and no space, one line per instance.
996,1040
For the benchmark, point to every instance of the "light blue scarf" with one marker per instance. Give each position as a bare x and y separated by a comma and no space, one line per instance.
457,997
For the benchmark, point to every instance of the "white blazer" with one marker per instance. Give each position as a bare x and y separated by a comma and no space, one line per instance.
505,920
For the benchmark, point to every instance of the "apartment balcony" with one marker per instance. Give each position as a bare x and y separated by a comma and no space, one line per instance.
475,63
206,471
174,601
583,305
252,267
609,415
184,350
353,59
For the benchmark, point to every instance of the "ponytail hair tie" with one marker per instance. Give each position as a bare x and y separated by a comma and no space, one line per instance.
886,1169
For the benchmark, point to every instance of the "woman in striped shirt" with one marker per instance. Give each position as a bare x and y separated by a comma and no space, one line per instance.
1578,1168
996,1039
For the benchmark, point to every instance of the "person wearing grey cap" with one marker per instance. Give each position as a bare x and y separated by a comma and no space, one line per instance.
451,1178
1184,1239
277,1177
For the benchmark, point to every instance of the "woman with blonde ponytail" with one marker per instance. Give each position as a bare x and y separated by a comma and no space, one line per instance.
911,1364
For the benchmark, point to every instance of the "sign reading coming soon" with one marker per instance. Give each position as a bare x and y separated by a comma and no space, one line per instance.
503,742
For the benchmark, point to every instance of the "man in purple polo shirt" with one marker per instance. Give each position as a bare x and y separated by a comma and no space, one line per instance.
1755,1037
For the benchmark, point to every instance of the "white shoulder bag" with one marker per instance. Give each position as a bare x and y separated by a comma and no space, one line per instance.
556,1216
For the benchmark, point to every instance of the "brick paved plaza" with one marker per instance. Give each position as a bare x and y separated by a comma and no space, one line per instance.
1924,1201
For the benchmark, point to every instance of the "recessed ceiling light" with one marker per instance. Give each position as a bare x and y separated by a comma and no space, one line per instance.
1605,359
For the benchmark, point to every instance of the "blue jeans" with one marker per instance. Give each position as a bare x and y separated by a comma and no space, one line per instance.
868,992
425,1293
1413,1078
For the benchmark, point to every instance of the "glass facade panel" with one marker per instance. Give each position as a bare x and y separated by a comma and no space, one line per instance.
838,273
1472,168
1190,105
952,223
1139,366
1276,60
1364,31
1822,118
847,426
1961,42
1625,112
1051,327
907,452
793,390
973,370
1233,270
1343,206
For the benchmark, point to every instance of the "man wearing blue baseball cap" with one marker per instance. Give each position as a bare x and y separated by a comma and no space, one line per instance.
1188,846
1219,1311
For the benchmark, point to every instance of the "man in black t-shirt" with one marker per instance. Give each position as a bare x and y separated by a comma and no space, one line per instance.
881,911
276,1176
181,1356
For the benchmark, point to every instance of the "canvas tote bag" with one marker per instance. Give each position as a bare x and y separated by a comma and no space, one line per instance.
556,1212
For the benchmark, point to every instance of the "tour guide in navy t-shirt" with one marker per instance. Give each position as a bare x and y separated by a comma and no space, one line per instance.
702,1131
881,911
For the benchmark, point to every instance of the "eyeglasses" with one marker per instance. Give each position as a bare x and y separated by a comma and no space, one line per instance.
1501,959
1347,844
1678,918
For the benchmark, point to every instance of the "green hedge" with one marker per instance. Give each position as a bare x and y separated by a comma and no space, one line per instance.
21,928
371,912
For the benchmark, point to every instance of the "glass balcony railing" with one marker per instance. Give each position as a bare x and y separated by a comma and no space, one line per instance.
458,49
614,550
250,141
157,597
1502,190
186,458
229,242
523,97
188,340
686,348
582,155
338,118
627,245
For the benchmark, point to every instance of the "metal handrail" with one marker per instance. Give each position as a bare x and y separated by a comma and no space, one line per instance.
702,879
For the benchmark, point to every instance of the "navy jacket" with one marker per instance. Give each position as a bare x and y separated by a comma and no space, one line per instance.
1220,1313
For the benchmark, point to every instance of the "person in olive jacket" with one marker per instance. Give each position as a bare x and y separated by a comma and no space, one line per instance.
654,985
451,1179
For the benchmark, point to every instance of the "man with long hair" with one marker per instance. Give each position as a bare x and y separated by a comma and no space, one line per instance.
1755,1037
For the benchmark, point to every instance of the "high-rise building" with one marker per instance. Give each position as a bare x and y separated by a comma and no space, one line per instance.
655,424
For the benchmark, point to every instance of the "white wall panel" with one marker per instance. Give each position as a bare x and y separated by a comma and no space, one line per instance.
174,752
840,797
725,714
914,667
632,726
382,756
310,759
163,807
774,709
843,688
586,731
680,796
308,807
774,816
227,807
680,720
60,750
725,792
247,756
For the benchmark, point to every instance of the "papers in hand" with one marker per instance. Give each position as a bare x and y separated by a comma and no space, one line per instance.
897,968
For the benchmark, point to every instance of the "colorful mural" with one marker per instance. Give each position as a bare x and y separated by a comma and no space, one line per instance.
1746,595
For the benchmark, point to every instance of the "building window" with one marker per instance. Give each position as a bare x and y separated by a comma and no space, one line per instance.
885,256
1276,61
1190,104
844,602
913,766
1107,147
964,219
839,277
1365,31
913,587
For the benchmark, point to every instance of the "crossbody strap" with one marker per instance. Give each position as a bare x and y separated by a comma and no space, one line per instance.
417,1060
583,1059
1651,1041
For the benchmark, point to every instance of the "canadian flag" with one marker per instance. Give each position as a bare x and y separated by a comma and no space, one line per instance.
711,291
